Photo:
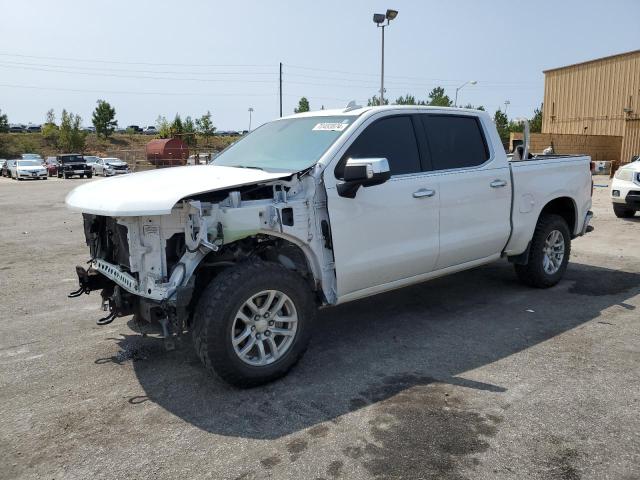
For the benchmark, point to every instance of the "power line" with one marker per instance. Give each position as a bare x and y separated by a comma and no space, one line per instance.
111,69
118,62
145,77
125,92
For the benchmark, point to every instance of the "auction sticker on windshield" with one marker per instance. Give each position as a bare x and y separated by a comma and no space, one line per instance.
331,126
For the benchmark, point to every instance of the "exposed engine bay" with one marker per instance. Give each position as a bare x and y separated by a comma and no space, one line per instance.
154,266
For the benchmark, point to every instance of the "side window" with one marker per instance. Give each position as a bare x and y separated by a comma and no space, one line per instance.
392,138
455,141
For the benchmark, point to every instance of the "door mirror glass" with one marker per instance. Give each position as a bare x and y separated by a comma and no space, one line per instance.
364,172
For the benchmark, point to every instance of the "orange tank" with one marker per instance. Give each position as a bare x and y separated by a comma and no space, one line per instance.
167,151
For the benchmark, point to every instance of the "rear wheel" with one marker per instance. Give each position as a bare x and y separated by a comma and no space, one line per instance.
253,323
548,254
622,211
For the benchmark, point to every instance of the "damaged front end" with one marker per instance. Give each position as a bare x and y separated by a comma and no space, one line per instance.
153,266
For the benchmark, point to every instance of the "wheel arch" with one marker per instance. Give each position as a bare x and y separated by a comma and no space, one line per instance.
274,247
566,208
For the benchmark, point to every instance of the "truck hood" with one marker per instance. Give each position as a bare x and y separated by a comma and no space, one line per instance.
155,192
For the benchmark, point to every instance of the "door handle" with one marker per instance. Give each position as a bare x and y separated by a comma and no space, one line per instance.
424,192
498,183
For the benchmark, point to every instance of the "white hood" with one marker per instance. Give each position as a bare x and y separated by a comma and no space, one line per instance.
155,192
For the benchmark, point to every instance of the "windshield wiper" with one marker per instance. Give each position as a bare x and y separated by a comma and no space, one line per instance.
247,166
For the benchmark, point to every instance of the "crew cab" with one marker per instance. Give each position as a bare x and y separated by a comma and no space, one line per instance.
625,190
318,209
71,164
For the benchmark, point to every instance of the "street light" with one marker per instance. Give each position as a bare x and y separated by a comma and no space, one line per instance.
250,111
506,105
378,19
470,82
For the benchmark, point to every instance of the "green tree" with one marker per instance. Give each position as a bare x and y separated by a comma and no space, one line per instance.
408,100
303,106
104,119
50,131
71,137
189,132
438,98
535,124
468,105
502,125
204,125
163,126
177,128
375,101
4,122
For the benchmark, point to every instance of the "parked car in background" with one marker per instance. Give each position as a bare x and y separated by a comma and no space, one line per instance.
17,128
134,128
91,160
625,190
5,168
71,164
3,162
151,130
28,169
34,129
110,166
51,164
31,156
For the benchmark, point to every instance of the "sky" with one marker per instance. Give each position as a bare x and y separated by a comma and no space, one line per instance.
150,58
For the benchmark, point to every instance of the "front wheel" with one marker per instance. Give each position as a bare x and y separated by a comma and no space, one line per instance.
622,211
548,254
89,175
253,323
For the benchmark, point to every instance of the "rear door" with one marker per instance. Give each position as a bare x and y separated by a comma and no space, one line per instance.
388,232
475,191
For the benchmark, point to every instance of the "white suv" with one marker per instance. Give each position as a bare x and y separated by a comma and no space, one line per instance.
625,190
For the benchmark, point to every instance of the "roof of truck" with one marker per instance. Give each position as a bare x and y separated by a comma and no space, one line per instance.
355,112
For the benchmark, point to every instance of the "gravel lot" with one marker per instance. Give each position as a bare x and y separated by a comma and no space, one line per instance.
470,376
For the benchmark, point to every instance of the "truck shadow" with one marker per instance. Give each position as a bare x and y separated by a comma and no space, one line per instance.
368,351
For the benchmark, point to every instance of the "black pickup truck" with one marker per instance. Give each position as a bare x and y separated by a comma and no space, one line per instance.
71,164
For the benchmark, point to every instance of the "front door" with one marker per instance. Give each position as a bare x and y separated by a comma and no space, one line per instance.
388,232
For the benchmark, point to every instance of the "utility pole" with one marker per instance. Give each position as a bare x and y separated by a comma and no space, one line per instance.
506,105
250,111
280,89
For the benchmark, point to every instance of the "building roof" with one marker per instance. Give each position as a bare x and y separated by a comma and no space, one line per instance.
595,60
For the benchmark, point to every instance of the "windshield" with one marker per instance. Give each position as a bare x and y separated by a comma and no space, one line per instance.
29,156
287,145
28,163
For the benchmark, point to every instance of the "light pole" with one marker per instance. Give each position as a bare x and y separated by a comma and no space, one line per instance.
506,105
469,82
250,111
378,19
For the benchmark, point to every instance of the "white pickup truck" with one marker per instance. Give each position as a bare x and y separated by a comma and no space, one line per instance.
319,209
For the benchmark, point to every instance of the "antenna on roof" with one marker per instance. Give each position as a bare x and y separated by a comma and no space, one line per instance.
352,105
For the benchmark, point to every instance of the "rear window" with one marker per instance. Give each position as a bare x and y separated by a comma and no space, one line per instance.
72,158
455,141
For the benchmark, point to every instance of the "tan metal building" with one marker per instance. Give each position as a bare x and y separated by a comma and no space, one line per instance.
597,97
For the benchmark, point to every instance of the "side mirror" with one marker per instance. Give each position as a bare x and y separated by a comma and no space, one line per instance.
364,172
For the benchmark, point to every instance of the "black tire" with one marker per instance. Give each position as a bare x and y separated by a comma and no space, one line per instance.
82,176
89,175
622,211
533,273
216,311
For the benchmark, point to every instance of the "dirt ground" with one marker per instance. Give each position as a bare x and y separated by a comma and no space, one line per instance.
473,376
